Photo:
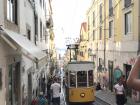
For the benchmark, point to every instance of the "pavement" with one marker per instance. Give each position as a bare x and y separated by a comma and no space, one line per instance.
109,97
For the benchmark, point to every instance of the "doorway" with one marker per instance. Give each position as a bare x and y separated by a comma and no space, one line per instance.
127,69
14,84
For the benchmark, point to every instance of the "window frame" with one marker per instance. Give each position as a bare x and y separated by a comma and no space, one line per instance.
127,23
12,11
110,28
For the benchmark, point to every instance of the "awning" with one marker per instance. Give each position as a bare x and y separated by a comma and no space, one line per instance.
26,46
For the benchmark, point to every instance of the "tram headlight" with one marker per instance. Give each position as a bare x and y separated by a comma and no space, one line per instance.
82,94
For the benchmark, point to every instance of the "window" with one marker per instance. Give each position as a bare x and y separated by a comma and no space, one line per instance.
72,79
88,23
100,61
41,3
90,77
100,13
12,11
93,35
93,19
36,29
40,31
100,37
110,29
81,79
81,53
127,3
28,34
110,8
44,34
128,23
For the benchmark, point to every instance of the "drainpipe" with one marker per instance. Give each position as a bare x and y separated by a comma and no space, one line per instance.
138,52
104,35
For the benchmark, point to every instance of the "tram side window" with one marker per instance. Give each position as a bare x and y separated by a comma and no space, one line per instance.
72,79
82,79
90,77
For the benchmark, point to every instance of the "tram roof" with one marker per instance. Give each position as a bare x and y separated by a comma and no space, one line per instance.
80,66
80,62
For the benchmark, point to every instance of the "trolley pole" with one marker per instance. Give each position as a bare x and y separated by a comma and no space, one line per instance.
69,48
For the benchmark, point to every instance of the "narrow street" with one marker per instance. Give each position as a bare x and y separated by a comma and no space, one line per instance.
98,101
94,45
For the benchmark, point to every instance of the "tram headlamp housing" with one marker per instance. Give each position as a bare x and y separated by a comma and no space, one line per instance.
82,95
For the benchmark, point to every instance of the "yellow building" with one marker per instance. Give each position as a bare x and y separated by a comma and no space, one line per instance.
52,50
114,30
83,45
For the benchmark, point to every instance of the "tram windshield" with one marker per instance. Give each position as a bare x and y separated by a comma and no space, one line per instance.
72,79
82,79
90,77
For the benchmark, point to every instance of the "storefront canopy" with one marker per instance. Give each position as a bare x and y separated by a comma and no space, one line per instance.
26,46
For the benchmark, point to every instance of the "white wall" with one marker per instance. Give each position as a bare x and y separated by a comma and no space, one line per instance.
26,17
41,17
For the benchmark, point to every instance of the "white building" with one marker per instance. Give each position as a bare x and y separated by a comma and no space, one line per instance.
23,46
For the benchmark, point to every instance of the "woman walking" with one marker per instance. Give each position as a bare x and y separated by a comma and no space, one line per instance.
120,93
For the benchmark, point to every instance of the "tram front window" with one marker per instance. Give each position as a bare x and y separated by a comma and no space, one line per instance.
82,79
72,79
90,77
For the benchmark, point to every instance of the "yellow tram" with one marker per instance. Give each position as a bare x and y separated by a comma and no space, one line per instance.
80,81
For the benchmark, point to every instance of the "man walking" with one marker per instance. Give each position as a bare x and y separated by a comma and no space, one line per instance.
56,88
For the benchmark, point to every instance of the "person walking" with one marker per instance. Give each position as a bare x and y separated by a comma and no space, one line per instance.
42,100
49,90
34,101
98,87
120,93
56,88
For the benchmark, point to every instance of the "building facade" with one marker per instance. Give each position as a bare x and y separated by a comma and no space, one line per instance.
84,52
113,29
24,43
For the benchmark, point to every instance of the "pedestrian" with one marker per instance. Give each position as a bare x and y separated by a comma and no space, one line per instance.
34,101
42,100
120,93
124,81
98,87
56,88
133,80
49,90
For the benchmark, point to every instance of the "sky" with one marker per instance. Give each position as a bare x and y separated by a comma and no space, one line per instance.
67,17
